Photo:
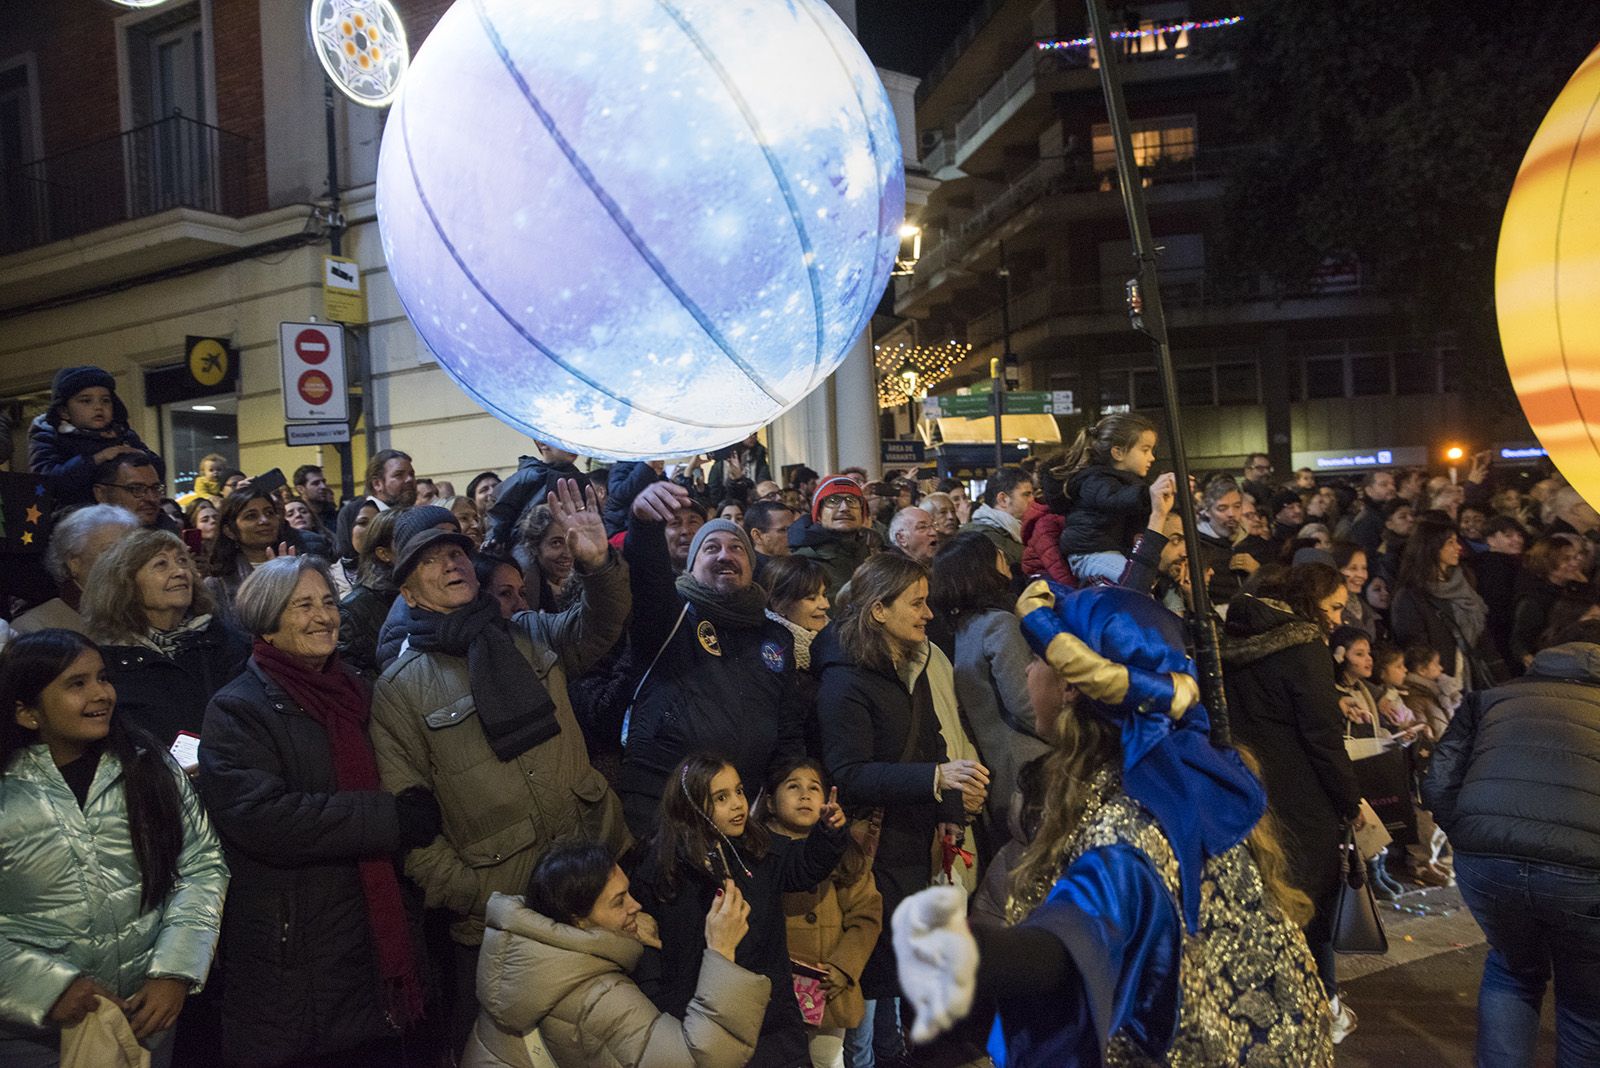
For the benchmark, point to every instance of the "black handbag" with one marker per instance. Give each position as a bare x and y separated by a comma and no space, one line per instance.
1357,927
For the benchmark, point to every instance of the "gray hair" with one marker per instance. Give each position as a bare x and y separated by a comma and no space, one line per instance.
72,533
265,593
905,519
1217,489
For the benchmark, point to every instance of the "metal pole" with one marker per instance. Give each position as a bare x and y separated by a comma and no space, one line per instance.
997,368
336,246
1144,295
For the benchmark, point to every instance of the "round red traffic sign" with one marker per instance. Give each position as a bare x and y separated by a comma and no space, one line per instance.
312,345
315,387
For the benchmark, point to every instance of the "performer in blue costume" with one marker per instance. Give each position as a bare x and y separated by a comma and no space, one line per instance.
1150,921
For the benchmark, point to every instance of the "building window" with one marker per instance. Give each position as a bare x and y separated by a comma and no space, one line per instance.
1324,377
1195,386
1416,372
1369,376
1114,391
1146,389
1168,139
21,200
1237,384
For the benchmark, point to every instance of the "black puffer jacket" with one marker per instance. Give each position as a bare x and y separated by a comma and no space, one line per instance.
1107,508
527,487
1514,776
296,943
881,744
165,696
628,479
361,616
1284,708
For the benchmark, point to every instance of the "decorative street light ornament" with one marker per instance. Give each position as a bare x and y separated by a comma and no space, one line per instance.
362,46
678,223
1547,287
136,4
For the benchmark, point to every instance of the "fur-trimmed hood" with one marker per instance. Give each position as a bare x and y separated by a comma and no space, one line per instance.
1257,627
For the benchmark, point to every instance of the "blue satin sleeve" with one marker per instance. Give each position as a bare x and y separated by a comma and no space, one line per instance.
1123,933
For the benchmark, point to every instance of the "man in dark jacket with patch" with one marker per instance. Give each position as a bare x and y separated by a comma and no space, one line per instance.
1513,783
716,673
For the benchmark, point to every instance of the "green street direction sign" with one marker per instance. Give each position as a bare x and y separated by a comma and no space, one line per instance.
1021,402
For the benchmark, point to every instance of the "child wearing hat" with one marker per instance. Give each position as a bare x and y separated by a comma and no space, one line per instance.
86,425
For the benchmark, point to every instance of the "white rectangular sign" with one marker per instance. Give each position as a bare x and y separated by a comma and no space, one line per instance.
313,371
316,434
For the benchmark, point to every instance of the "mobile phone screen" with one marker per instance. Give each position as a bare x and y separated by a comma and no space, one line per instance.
186,750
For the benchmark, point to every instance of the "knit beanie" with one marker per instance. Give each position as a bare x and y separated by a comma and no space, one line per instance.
833,486
70,381
418,519
721,525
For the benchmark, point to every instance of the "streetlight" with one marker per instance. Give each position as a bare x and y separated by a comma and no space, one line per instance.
910,249
1454,454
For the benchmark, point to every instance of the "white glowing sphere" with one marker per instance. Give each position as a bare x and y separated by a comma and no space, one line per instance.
640,228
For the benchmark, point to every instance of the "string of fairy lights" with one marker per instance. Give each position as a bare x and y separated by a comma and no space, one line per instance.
1143,32
906,372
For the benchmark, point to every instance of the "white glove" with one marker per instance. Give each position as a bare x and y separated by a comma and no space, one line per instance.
938,958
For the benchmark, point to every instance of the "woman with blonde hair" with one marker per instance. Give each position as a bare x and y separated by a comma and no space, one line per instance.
166,651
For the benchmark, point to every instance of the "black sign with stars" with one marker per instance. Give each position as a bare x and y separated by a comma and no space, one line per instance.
25,506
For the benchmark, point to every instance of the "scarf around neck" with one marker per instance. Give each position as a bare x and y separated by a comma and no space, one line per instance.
994,517
1466,608
514,709
339,702
742,608
169,643
802,640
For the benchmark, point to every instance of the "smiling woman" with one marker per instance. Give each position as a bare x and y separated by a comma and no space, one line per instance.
165,651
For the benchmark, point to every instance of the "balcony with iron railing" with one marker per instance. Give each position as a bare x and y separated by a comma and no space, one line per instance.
175,162
1058,66
1078,173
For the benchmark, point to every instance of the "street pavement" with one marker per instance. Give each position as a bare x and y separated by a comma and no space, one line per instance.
1418,1003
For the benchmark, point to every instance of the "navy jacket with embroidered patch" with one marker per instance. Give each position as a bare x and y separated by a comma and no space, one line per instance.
744,704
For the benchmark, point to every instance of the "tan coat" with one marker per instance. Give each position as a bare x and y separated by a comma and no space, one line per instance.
499,816
573,986
838,926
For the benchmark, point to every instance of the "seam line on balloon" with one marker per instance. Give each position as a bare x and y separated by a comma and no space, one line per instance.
778,175
1555,271
522,331
877,171
614,210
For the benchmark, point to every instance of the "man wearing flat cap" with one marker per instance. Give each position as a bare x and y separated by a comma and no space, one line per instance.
475,710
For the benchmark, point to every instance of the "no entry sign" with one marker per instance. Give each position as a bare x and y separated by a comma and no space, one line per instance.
313,371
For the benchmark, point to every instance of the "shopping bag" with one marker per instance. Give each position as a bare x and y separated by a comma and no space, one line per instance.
1386,782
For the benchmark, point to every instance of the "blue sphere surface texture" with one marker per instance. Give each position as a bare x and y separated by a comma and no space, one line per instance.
640,228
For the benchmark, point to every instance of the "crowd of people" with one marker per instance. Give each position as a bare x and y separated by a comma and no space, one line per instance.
633,765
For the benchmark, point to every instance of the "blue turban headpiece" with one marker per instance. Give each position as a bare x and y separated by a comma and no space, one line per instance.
1126,654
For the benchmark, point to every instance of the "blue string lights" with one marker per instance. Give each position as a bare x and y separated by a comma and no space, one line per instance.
1142,32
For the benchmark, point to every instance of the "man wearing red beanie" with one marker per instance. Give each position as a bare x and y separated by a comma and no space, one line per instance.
835,533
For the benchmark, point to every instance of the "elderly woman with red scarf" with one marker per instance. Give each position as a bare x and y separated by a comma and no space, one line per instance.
320,961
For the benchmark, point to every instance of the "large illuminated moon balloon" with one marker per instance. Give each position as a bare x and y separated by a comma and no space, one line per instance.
640,228
1547,281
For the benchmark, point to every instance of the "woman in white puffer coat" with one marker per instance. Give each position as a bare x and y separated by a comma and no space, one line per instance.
555,977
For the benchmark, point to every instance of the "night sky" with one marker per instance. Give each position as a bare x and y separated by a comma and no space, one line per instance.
908,35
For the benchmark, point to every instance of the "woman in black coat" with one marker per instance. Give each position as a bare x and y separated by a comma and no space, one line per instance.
1551,567
321,961
880,736
165,650
1285,710
1435,604
366,606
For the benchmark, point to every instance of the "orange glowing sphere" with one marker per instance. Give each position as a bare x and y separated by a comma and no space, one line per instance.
1547,281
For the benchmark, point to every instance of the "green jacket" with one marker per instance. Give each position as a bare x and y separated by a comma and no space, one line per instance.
499,815
70,887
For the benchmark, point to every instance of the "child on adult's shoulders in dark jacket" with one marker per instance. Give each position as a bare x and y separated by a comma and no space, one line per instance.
85,426
706,836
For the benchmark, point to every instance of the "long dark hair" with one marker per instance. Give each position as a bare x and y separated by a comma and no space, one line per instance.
1419,564
222,557
1303,588
568,880
686,838
28,665
965,581
1094,443
855,862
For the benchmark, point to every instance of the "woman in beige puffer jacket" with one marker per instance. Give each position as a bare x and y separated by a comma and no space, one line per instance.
562,994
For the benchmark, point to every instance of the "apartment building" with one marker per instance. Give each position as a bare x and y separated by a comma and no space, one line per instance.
1012,124
164,177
